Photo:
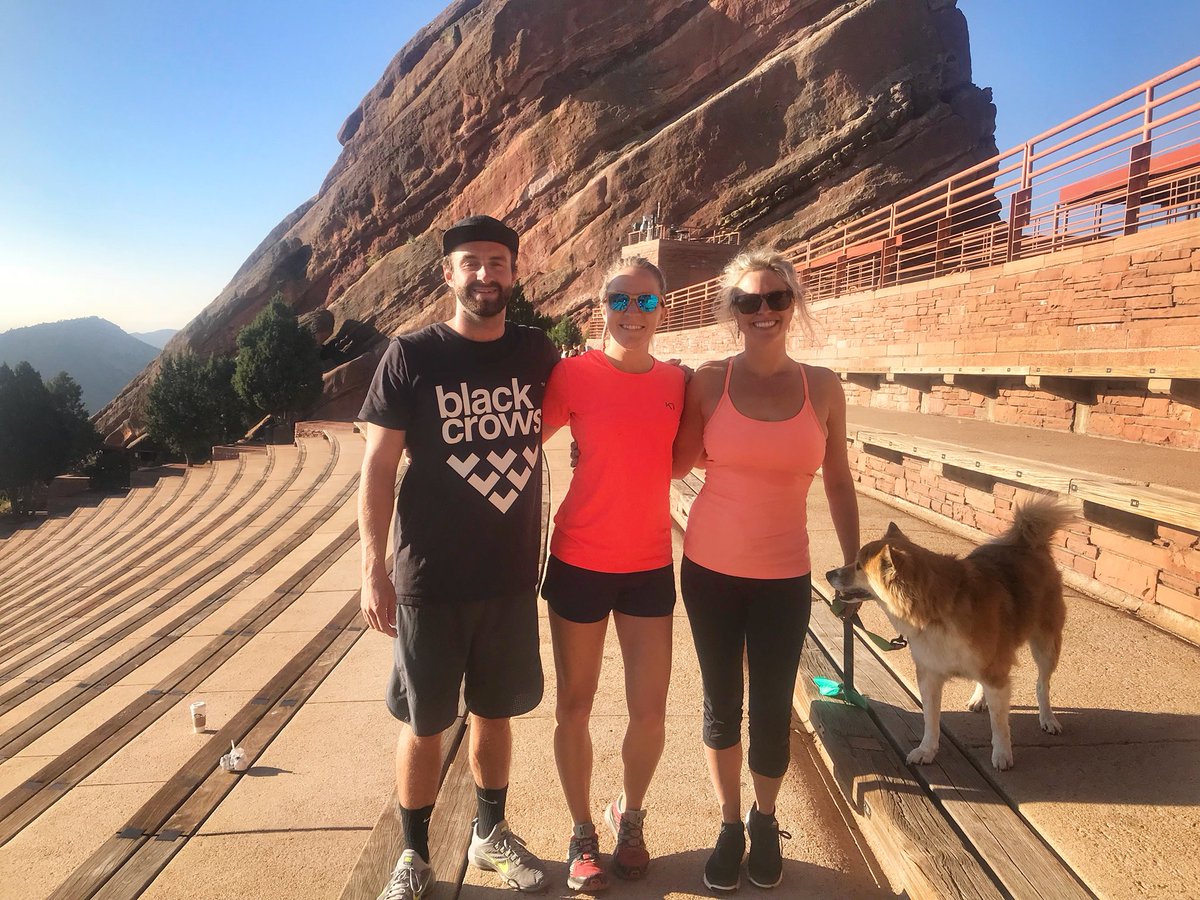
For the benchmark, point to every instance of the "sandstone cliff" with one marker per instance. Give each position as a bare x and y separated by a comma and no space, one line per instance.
569,120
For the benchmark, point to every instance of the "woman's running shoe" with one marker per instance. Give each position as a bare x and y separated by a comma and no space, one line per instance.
630,857
765,864
723,871
584,872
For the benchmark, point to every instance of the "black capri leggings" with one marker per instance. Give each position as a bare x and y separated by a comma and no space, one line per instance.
768,618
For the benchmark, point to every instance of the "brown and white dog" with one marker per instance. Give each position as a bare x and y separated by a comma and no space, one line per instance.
968,617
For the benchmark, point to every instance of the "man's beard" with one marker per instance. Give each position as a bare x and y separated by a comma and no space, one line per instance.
483,307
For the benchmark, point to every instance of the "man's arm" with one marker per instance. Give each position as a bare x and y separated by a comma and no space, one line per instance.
376,503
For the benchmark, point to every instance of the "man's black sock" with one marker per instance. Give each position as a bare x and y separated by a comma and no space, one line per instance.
416,829
490,803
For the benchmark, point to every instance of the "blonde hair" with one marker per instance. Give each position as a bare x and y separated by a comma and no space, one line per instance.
633,262
623,265
762,261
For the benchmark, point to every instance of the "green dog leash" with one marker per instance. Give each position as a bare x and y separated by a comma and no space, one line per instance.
837,690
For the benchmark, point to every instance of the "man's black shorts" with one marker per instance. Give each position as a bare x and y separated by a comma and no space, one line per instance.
491,645
584,595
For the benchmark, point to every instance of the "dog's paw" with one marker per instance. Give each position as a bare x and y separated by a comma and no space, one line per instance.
977,704
921,755
1050,724
1002,759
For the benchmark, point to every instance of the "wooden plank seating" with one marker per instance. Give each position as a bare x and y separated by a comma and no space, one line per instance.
920,843
147,503
123,865
137,540
1014,853
88,625
70,571
446,833
40,539
28,539
38,793
1042,475
1164,504
449,830
917,814
236,578
42,720
85,601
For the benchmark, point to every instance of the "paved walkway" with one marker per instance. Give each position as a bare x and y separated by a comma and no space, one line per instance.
824,858
1117,794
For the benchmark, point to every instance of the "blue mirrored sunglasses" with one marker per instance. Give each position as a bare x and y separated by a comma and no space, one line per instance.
619,302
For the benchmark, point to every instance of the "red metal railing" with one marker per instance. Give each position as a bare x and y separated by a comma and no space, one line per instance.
1127,164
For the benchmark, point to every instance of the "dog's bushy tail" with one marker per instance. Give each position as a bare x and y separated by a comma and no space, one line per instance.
1036,521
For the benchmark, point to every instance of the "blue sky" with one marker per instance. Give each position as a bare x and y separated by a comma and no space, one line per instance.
147,146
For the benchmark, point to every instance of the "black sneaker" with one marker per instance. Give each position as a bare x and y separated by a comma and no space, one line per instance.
765,865
723,871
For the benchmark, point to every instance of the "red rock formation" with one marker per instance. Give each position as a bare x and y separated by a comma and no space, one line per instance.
570,120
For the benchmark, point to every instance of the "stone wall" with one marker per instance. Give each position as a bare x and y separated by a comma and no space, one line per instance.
1146,561
1132,303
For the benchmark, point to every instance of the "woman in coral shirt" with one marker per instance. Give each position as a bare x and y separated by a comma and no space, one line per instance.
611,555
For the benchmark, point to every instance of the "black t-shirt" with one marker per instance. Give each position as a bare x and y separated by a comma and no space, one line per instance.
468,517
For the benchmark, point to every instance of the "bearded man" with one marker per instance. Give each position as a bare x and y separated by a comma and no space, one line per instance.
464,398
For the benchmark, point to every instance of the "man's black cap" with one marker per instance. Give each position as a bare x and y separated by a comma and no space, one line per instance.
479,228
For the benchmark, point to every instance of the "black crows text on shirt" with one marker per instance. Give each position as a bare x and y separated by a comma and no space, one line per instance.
468,515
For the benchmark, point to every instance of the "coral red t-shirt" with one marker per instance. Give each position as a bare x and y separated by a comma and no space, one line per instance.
616,516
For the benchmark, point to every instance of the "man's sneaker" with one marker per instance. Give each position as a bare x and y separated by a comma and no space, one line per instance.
412,879
723,871
765,865
630,857
505,854
584,872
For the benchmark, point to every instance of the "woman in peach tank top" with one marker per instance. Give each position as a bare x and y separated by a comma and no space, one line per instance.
761,424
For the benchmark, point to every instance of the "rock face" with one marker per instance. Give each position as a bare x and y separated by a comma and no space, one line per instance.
571,120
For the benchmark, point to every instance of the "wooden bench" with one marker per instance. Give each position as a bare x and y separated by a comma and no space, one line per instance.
1171,506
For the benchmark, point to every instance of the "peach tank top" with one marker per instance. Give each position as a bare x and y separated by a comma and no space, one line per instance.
750,518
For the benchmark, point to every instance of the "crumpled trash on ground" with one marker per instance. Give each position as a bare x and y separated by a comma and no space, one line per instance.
236,760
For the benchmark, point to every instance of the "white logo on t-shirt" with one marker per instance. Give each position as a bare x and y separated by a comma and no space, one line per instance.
469,415
503,465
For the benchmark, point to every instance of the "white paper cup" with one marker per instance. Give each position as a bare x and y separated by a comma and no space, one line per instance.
199,716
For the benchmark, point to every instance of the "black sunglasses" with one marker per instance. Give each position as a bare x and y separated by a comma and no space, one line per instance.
619,301
748,304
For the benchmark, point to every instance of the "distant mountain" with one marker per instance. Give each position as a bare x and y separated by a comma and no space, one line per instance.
93,351
155,338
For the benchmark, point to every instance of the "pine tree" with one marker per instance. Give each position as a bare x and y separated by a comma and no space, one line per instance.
565,333
36,438
521,310
192,405
278,367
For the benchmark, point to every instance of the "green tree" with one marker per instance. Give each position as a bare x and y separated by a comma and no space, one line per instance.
192,405
36,438
278,367
565,333
67,397
521,310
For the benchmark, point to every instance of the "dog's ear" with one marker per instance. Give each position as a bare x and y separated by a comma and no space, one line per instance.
893,531
891,557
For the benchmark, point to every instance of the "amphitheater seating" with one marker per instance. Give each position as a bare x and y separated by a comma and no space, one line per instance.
234,582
